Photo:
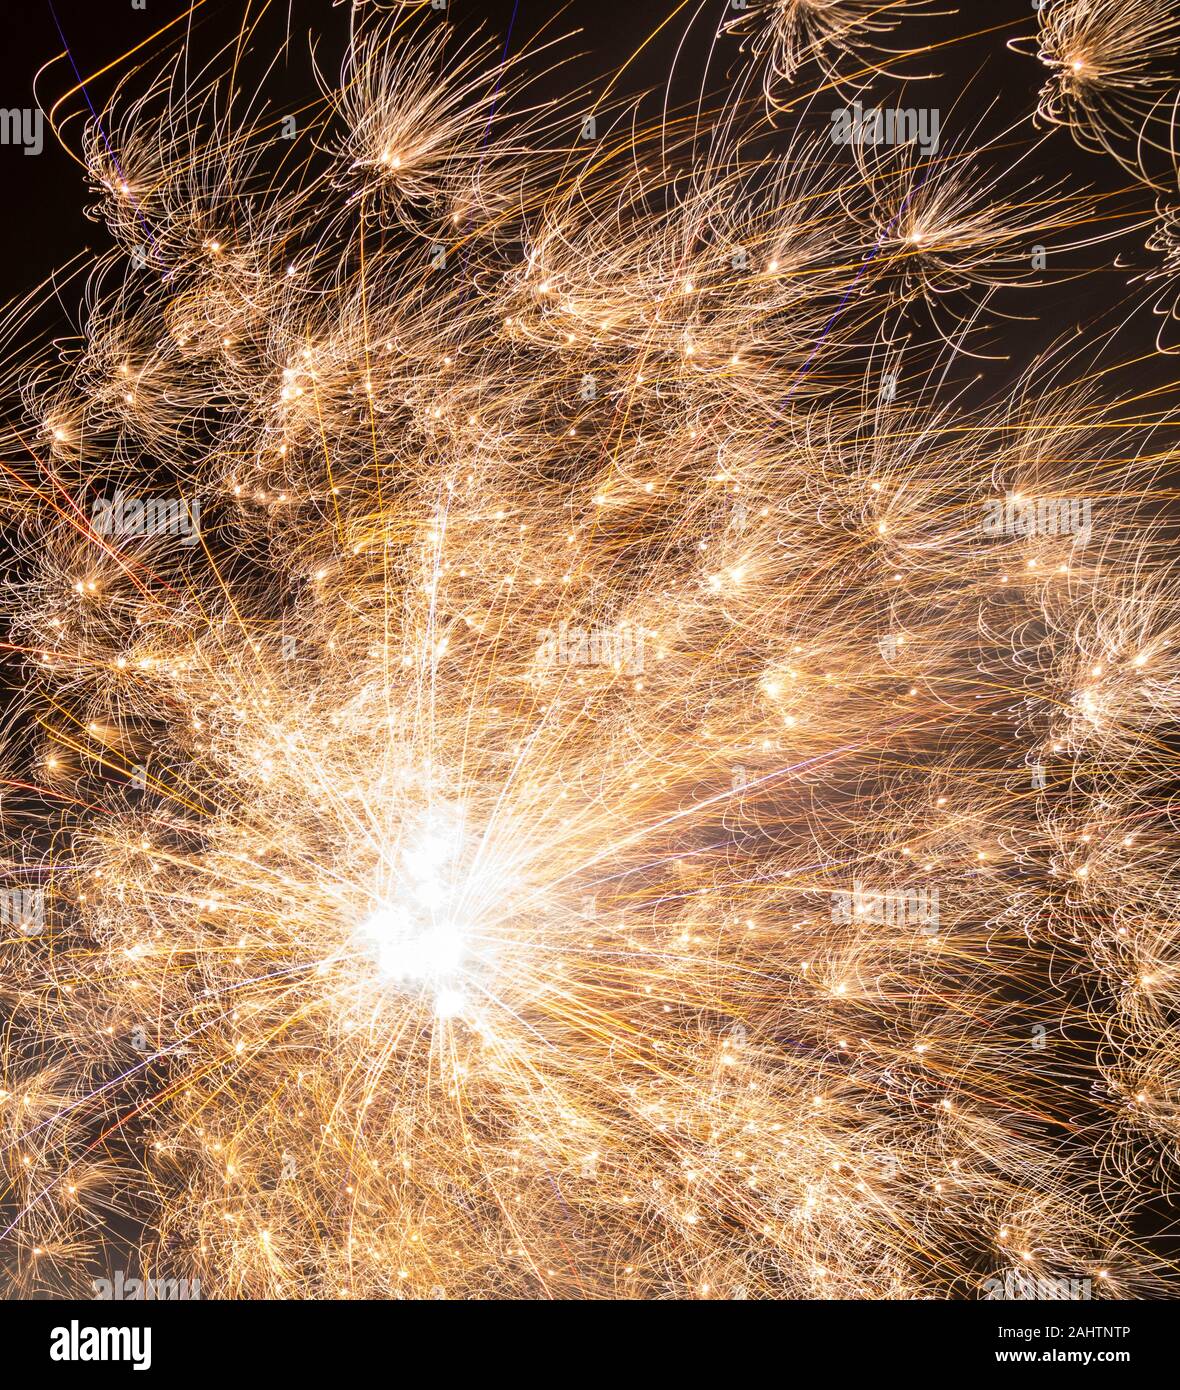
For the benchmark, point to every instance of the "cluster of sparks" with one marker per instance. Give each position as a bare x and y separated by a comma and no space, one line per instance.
385,955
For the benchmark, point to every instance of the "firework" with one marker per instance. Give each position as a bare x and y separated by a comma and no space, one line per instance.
1113,77
563,756
845,38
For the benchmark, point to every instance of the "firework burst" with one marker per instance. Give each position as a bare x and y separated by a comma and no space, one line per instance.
566,793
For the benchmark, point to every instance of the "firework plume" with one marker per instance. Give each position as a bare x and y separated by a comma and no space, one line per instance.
566,747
